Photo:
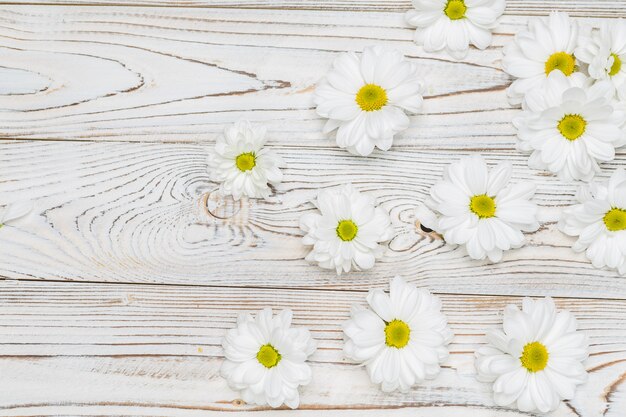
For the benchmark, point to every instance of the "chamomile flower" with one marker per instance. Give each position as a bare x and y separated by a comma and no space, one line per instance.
570,126
548,45
347,231
14,212
599,221
605,52
454,24
266,359
537,360
241,163
401,339
364,97
478,208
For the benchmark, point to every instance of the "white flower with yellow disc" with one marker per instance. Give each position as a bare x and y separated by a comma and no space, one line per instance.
548,45
599,222
402,339
537,360
454,24
604,50
480,209
266,359
242,164
569,126
347,231
365,97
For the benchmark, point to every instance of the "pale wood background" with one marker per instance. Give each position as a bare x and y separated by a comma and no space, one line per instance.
116,292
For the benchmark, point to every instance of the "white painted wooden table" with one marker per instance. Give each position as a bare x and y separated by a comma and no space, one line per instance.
116,292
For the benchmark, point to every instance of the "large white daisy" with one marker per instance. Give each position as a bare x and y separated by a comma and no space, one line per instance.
480,209
348,230
402,340
604,50
265,358
454,24
570,126
14,212
365,97
241,163
546,46
599,221
537,360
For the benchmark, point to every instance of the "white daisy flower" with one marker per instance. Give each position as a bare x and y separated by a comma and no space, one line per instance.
266,358
347,231
605,52
402,340
365,97
241,164
548,45
569,126
454,24
537,360
478,208
599,221
14,212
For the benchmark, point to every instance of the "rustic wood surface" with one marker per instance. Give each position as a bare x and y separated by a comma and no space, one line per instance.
115,292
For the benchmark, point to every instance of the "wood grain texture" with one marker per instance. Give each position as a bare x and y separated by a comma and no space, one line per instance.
155,350
124,212
174,74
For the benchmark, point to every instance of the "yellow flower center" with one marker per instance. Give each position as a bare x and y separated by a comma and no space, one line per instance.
397,334
534,357
561,61
615,220
371,97
572,126
483,206
268,356
455,9
347,230
246,161
617,65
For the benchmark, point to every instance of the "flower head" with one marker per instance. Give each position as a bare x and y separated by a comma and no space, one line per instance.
15,211
599,222
478,208
547,46
402,339
365,97
604,50
347,231
265,358
569,126
537,360
454,24
242,165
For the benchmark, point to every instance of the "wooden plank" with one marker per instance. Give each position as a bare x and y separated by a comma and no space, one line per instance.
154,350
178,75
586,8
130,212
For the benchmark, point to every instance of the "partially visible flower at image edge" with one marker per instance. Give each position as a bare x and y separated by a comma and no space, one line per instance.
14,212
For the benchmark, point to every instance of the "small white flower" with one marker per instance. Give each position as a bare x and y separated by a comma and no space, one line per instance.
537,361
364,98
478,208
347,231
15,211
569,126
454,24
548,45
266,358
599,221
402,340
241,164
605,52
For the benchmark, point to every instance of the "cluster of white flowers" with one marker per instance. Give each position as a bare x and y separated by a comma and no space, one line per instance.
402,339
